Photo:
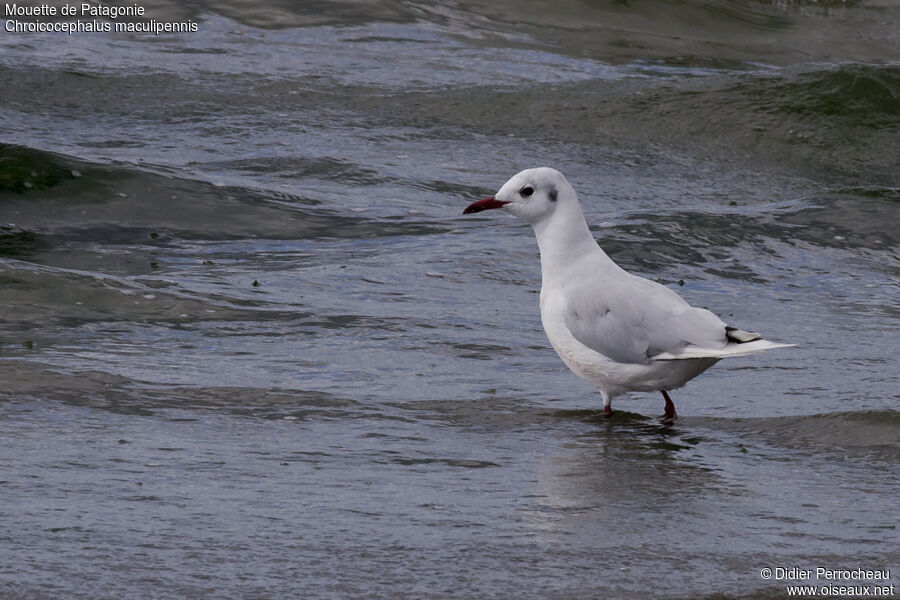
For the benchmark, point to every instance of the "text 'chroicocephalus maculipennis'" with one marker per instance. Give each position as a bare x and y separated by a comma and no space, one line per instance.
619,331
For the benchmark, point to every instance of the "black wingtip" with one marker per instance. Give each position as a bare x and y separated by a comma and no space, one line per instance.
740,336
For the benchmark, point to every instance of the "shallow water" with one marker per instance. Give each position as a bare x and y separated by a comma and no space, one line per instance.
250,348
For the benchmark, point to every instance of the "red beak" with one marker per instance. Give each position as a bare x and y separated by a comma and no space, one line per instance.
486,204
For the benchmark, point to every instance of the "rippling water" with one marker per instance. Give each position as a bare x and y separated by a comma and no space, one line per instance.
249,347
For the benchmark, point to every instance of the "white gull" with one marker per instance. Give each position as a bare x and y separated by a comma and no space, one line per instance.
619,331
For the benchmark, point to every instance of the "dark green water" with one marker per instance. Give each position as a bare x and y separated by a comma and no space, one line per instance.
249,348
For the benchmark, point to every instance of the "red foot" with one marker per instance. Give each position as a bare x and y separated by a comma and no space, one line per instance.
670,406
608,410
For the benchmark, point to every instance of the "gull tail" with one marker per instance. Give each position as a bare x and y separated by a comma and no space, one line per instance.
740,343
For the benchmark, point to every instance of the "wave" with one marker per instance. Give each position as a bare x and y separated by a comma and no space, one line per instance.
99,389
864,433
693,31
88,202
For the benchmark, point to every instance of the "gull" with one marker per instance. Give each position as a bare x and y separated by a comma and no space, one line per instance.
618,331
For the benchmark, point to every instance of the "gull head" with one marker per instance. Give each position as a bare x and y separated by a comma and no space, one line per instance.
534,195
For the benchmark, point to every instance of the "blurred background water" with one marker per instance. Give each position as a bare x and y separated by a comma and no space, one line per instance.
250,349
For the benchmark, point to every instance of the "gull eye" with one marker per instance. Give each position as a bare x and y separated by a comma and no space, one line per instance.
526,191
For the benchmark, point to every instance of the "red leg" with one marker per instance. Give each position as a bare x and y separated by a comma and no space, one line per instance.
670,406
607,403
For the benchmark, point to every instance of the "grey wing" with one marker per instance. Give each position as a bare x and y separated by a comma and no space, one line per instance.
633,319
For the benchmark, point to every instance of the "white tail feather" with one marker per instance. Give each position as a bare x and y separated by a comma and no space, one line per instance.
743,349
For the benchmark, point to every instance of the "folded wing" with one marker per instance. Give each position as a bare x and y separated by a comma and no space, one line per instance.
634,320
